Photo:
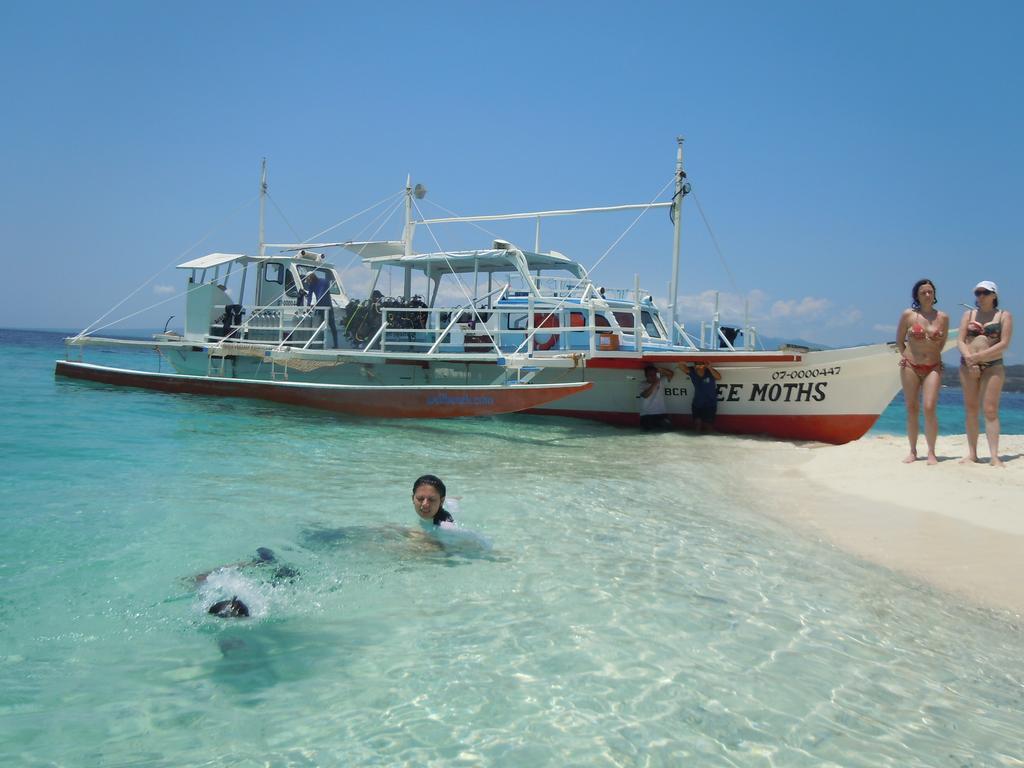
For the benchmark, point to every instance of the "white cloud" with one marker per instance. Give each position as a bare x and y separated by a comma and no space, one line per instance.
807,307
729,304
846,317
883,328
163,290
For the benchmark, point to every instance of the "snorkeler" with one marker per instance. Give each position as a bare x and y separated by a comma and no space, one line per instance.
235,608
264,556
229,609
428,494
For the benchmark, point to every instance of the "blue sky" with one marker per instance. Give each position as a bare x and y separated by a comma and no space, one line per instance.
840,150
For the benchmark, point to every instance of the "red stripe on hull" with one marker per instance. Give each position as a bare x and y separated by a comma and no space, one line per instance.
716,358
383,402
831,428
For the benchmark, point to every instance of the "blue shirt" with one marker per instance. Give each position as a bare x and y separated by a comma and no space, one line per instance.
705,389
321,287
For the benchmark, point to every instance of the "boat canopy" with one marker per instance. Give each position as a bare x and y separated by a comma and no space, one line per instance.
492,260
212,260
217,259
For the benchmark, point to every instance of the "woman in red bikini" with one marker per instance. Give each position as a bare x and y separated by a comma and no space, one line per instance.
920,338
985,332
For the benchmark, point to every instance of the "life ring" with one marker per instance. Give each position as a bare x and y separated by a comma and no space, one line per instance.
544,321
545,345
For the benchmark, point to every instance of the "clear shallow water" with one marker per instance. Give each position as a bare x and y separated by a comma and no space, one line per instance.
632,609
950,412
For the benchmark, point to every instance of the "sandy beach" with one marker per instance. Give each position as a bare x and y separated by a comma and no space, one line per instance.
959,527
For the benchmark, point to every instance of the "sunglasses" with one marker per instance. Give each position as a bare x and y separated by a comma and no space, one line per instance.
982,293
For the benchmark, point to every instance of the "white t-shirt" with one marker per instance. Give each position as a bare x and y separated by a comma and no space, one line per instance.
654,404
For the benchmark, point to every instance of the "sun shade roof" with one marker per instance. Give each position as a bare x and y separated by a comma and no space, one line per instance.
494,260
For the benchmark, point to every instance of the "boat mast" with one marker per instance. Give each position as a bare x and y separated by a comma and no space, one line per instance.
677,208
263,200
262,243
407,233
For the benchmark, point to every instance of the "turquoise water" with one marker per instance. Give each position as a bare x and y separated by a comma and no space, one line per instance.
950,412
630,609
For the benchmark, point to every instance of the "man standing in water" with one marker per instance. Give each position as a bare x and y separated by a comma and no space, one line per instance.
653,413
705,394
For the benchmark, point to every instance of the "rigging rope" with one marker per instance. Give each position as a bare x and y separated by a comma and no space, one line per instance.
579,282
92,325
714,241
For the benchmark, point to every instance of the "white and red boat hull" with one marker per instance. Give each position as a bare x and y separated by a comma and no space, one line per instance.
832,396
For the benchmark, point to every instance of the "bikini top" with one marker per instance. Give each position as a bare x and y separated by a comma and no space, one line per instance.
992,329
919,332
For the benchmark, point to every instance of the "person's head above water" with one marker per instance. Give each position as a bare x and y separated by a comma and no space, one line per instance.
229,609
428,494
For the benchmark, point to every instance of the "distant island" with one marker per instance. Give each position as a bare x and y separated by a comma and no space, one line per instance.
1014,377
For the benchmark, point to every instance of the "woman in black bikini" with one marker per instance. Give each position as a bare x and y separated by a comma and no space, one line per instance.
985,332
920,337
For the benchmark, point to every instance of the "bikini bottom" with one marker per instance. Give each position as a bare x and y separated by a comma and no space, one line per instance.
921,370
983,366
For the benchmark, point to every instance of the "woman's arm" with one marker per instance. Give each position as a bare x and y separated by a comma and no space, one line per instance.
667,372
714,372
961,338
901,331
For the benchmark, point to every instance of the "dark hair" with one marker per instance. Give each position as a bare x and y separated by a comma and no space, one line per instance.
431,480
917,287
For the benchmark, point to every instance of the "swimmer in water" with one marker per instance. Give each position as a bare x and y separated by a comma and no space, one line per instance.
229,609
264,556
428,494
235,608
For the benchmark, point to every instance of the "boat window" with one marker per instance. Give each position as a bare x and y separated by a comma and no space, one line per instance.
546,320
272,272
649,324
322,274
577,320
289,285
625,320
518,322
600,321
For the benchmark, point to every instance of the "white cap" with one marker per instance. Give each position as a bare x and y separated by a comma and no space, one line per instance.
986,285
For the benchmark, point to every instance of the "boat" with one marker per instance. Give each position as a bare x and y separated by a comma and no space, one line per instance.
411,402
531,332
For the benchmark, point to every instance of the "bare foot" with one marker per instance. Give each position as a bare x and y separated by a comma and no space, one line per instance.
932,459
997,462
911,458
969,460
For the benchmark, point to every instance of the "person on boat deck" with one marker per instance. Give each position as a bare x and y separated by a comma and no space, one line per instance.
653,413
704,377
920,338
232,312
318,289
985,334
428,494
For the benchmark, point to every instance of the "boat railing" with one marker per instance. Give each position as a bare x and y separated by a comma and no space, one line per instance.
515,329
686,338
272,326
562,288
